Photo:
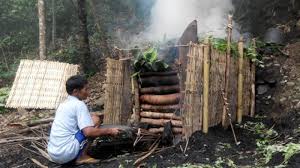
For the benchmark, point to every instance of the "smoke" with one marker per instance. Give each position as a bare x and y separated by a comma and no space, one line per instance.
169,18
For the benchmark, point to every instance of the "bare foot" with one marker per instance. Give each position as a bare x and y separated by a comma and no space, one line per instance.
86,160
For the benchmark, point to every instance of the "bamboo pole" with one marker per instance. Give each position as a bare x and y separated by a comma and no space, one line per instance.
137,107
253,71
206,65
225,106
240,81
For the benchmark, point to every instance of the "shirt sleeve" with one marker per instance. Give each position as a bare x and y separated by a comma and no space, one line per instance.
84,118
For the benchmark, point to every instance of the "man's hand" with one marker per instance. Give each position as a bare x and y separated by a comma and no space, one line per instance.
95,132
114,131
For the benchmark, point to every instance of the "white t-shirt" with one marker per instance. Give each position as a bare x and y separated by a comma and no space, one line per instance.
70,117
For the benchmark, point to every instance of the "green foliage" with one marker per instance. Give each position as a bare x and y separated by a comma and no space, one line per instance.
250,52
67,52
148,62
221,45
219,163
267,147
4,92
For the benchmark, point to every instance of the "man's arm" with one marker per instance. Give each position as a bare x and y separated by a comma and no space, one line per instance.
95,132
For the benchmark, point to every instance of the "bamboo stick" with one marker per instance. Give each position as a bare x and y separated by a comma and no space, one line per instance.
160,115
206,64
240,81
225,106
161,122
137,107
253,71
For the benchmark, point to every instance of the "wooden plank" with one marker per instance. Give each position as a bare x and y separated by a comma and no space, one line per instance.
247,87
127,103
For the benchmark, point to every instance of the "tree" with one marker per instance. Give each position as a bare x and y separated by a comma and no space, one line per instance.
84,46
53,23
42,29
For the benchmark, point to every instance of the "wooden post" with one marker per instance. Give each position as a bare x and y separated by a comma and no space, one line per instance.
240,81
225,106
206,65
253,71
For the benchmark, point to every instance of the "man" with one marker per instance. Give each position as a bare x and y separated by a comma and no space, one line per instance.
73,124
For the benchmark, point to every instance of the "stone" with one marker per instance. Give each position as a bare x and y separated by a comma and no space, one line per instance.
260,82
271,81
296,101
262,89
298,105
290,84
298,24
277,65
283,82
269,65
282,99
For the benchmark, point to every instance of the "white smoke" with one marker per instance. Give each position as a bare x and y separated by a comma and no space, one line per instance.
169,18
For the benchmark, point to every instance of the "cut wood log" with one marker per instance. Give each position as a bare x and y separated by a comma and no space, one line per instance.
161,130
161,99
161,122
21,139
159,81
165,108
169,73
38,163
161,90
25,130
38,122
160,115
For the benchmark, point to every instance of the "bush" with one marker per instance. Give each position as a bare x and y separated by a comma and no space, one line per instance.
4,92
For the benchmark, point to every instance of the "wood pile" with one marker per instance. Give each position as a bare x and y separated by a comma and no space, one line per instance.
159,98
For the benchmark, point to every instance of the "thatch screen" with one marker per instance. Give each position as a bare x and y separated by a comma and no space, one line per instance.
40,84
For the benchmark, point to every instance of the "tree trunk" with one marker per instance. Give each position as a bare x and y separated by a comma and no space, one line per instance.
53,24
103,38
42,29
84,46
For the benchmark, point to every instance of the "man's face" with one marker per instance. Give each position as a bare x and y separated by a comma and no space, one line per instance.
82,94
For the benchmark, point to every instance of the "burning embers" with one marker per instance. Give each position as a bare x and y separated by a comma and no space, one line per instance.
160,98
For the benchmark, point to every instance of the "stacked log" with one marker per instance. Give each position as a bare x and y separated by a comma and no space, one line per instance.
159,99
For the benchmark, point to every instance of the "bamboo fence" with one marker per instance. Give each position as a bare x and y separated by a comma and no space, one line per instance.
204,98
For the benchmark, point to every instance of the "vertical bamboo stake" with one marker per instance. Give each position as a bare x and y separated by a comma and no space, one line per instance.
206,65
225,106
253,70
137,108
240,81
